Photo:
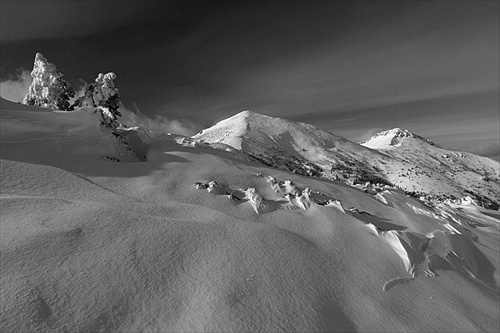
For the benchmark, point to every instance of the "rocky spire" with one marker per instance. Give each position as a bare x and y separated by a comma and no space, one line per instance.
48,88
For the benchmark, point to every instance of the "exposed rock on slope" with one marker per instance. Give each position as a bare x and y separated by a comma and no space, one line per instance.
101,94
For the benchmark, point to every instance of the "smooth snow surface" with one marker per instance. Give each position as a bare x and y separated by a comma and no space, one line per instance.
199,239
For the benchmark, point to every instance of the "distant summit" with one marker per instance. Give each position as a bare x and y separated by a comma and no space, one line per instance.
249,130
396,137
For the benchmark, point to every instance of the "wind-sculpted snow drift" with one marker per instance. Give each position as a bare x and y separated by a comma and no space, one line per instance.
424,255
89,245
421,254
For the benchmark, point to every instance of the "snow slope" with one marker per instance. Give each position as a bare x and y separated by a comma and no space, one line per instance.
199,239
293,146
397,156
468,173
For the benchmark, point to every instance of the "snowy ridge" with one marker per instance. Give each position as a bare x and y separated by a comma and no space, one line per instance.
465,172
397,157
249,127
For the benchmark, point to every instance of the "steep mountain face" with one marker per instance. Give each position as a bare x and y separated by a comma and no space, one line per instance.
293,146
397,157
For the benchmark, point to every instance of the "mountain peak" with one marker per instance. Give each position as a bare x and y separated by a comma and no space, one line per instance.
251,129
395,137
399,132
247,114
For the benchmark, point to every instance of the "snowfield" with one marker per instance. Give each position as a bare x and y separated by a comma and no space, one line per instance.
198,237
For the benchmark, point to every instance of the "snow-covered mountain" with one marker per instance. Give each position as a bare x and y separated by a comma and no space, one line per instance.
293,146
397,157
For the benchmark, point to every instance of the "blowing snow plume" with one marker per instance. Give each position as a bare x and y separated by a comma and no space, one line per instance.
158,123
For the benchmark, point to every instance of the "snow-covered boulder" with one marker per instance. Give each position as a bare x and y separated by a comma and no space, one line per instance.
48,88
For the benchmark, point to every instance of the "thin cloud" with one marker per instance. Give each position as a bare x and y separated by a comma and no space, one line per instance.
15,87
490,149
487,148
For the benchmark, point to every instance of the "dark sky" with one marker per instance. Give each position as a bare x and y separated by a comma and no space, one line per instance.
351,67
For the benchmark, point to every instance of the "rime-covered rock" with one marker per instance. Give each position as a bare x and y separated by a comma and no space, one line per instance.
48,88
103,94
105,97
